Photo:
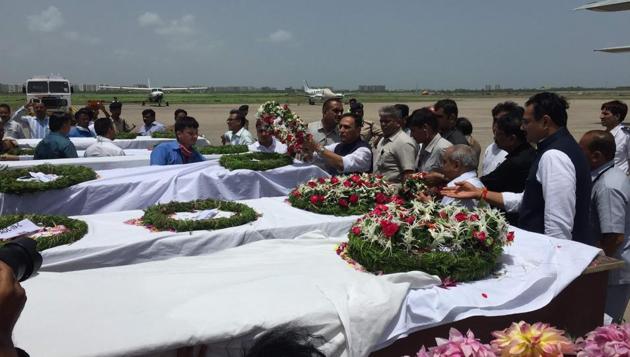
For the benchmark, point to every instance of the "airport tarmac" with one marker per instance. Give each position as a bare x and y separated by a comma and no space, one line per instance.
583,115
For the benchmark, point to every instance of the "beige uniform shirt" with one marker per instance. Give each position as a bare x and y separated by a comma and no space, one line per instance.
395,155
320,136
371,133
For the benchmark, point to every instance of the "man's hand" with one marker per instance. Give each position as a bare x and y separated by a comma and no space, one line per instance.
462,190
12,300
309,147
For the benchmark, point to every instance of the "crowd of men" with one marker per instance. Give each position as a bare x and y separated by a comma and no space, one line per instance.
534,170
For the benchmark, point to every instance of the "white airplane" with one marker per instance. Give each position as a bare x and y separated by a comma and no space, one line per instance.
320,94
609,5
156,94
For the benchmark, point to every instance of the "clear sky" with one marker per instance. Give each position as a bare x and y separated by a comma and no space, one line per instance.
437,44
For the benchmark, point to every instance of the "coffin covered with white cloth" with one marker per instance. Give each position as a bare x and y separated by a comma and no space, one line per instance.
140,142
140,187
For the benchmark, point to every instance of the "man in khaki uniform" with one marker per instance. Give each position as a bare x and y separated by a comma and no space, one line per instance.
395,156
326,131
370,132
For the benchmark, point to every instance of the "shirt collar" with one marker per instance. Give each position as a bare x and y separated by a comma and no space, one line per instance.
463,177
322,130
395,135
240,132
598,171
103,139
433,142
616,129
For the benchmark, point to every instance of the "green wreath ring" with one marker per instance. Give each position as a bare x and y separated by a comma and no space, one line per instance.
21,151
222,150
70,175
76,228
158,215
163,135
126,135
258,161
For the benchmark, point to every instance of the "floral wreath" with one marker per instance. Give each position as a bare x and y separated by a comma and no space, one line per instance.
222,150
56,230
169,134
68,175
159,216
285,125
257,161
449,241
126,135
343,195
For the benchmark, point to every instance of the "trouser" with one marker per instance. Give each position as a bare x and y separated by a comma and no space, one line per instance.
617,297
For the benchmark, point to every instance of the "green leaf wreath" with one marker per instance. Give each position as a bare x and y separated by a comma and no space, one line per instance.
258,161
126,135
76,228
21,151
163,134
158,215
222,150
69,175
342,195
449,241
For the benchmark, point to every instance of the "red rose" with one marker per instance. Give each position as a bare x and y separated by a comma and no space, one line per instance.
355,178
314,199
356,230
510,236
381,198
354,198
347,183
461,216
343,202
289,137
389,228
473,217
322,198
285,107
479,235
321,180
334,180
398,200
409,220
382,207
312,184
443,214
296,193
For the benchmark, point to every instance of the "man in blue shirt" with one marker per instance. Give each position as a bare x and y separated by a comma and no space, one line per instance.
56,145
82,130
150,125
182,150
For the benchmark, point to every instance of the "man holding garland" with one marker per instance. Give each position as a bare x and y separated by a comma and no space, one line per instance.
352,154
182,150
266,141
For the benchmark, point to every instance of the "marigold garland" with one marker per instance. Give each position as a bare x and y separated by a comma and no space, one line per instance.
158,215
76,228
258,161
448,241
342,195
69,175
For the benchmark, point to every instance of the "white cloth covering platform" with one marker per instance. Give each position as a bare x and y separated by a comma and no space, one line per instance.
222,300
140,142
140,187
111,242
96,163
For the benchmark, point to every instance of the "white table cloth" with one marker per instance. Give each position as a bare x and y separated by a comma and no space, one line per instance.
140,187
96,163
140,142
111,242
226,298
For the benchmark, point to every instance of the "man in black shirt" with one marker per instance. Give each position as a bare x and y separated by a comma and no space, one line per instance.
446,112
510,175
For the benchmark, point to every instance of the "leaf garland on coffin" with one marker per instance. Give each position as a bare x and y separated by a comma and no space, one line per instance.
69,175
74,229
257,161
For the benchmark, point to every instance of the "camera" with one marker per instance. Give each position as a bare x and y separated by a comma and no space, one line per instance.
22,256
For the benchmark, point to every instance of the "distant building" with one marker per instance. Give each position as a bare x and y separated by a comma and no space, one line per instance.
372,88
10,88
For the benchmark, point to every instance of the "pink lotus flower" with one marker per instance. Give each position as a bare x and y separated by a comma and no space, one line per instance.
457,345
523,339
611,340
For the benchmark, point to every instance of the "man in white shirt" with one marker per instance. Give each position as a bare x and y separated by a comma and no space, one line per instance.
266,141
557,191
150,125
459,164
38,124
104,145
12,129
612,115
237,134
352,154
493,156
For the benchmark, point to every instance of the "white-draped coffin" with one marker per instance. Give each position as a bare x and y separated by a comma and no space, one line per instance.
96,163
140,187
111,242
224,299
140,142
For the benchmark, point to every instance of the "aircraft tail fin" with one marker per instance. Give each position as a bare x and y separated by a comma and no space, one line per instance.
148,82
306,88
